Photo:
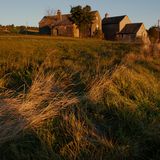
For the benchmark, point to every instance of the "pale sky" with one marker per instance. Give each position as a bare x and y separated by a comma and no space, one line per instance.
29,12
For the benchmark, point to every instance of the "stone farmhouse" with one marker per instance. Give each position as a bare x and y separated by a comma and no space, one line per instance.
120,28
132,32
114,28
113,25
61,25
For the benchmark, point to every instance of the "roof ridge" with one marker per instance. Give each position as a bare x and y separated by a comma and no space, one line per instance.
66,14
134,23
117,16
113,20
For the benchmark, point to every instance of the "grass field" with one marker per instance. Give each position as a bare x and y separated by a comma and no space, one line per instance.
78,99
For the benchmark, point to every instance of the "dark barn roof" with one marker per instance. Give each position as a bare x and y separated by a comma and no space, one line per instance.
131,28
113,20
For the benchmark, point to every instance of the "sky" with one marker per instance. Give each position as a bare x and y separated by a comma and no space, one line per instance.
30,12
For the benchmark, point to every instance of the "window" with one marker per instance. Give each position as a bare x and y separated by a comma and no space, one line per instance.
97,26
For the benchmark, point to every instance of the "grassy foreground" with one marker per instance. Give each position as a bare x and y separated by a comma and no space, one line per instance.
74,99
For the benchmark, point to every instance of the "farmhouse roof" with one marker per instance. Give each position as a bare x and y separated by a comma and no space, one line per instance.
131,28
50,20
54,21
62,22
113,20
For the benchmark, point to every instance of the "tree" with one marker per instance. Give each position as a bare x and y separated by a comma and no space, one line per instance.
153,33
50,12
22,29
83,18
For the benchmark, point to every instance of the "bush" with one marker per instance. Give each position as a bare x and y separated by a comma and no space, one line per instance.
98,34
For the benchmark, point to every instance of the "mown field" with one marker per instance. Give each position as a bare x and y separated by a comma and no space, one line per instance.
78,99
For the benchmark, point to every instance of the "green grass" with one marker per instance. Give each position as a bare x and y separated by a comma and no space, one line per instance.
65,98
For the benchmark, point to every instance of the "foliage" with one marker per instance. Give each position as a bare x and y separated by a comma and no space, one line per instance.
98,34
13,30
83,18
153,33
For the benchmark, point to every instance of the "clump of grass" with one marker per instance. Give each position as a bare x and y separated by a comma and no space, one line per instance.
30,111
127,103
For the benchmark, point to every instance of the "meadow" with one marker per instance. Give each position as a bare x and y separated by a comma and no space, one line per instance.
78,99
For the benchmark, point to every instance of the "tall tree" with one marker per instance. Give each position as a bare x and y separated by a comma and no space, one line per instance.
83,18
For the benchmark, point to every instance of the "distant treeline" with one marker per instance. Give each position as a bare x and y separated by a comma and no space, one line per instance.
12,29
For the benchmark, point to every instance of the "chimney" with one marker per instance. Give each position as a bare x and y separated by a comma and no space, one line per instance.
106,15
59,15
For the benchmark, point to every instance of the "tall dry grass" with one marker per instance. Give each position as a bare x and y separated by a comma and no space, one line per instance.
43,101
